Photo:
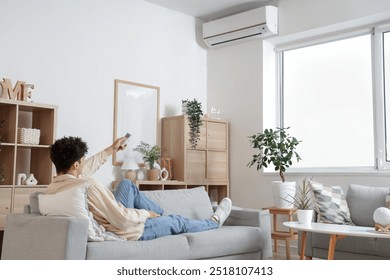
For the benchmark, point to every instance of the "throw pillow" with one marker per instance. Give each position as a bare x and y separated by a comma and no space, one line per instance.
368,196
331,204
192,203
69,203
73,203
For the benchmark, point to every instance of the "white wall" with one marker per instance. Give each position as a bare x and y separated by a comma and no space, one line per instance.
235,85
73,50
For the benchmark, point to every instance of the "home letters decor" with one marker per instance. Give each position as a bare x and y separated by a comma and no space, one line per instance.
19,92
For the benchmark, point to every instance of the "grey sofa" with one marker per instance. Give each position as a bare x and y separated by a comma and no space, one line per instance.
362,202
245,235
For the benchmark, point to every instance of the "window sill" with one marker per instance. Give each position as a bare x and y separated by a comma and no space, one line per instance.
345,171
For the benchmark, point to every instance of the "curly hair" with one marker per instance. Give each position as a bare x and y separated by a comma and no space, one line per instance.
66,151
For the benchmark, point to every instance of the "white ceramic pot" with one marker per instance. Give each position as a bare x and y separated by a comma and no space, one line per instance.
305,216
283,192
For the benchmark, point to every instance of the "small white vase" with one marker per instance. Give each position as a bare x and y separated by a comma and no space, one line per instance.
164,174
283,193
305,216
21,178
31,180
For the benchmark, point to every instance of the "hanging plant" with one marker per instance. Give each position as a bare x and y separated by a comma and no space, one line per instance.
194,112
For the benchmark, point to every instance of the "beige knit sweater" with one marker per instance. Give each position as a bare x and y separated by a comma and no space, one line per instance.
112,215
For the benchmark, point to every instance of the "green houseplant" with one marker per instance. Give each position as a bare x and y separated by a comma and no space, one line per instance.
150,155
276,147
304,202
193,109
303,198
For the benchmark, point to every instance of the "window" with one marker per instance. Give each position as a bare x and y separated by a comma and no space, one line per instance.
334,94
327,102
386,69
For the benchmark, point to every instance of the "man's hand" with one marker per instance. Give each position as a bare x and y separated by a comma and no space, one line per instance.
153,214
115,146
117,143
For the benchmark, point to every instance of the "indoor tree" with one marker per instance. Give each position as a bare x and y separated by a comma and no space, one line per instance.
276,147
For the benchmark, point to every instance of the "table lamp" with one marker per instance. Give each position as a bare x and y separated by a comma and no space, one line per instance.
131,166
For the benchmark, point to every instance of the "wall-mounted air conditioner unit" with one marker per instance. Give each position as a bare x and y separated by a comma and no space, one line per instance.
260,22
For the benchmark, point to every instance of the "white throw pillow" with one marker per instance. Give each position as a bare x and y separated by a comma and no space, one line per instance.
71,203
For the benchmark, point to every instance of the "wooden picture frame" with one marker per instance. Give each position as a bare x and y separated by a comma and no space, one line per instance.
136,111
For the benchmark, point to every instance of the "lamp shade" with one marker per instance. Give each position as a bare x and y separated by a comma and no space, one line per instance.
130,164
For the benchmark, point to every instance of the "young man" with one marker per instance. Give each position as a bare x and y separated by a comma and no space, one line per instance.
128,213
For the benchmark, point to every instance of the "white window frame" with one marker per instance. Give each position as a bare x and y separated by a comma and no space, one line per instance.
378,92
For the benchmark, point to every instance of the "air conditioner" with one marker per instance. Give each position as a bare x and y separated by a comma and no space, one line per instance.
260,22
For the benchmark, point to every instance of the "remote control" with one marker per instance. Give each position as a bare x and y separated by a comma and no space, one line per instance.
124,142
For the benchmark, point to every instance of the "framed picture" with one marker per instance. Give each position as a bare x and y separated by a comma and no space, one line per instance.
136,111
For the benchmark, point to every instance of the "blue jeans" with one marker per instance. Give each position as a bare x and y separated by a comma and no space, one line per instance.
130,196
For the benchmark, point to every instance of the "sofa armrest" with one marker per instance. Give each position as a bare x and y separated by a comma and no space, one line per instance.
29,236
253,218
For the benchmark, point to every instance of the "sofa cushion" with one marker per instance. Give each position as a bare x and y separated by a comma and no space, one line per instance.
331,204
363,201
191,203
388,200
225,241
172,247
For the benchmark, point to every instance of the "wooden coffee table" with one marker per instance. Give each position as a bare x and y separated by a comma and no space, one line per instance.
335,232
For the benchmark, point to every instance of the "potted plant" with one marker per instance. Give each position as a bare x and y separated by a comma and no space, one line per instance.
150,155
278,148
193,109
304,202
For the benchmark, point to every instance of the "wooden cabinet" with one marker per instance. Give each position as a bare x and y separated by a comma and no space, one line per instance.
17,156
208,164
5,204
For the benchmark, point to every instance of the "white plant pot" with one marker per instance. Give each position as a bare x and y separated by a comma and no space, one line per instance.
283,193
305,216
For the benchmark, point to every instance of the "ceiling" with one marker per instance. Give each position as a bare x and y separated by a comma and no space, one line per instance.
210,9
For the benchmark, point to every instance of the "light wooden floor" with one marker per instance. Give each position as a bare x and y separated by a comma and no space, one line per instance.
281,254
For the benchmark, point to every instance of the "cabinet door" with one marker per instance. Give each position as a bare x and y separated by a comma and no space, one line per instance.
217,165
196,165
216,135
202,141
5,204
22,197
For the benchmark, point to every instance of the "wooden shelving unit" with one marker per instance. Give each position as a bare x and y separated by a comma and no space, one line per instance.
208,164
24,158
